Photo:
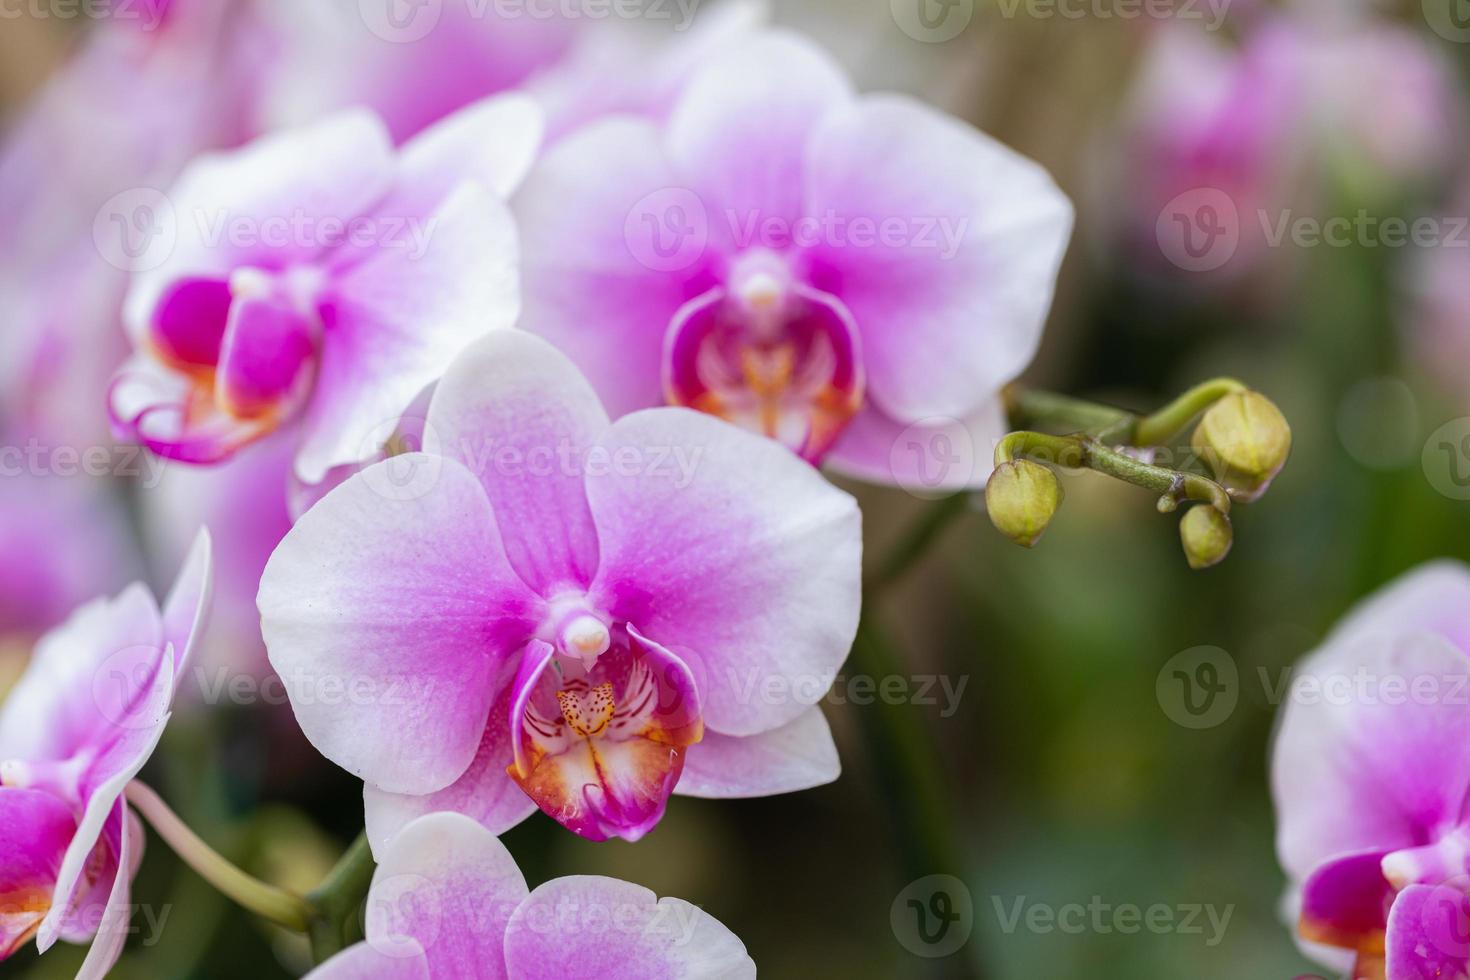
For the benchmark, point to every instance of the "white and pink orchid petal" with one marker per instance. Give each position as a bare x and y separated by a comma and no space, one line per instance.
493,141
112,762
332,170
187,606
799,755
362,962
735,554
1360,768
739,134
1432,598
395,321
82,678
123,836
517,412
38,827
391,615
619,931
931,456
952,293
589,212
1345,902
449,887
485,793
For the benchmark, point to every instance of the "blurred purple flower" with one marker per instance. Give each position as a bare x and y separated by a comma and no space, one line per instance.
447,901
1370,778
548,609
822,268
317,274
77,728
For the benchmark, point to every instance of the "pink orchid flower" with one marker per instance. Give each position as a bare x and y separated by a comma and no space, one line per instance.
318,275
1370,777
550,610
447,902
77,728
822,268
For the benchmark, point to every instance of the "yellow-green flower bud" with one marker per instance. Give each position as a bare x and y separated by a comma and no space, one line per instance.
1245,439
1207,536
1022,497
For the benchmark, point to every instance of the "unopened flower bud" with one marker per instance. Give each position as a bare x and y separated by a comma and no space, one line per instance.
1245,439
1207,536
1022,497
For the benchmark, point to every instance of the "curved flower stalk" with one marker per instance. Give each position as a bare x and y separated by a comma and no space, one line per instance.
319,276
819,267
1369,776
77,728
550,610
448,903
1241,438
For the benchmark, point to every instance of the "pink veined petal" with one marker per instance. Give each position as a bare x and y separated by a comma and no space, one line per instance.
596,214
517,413
951,292
733,553
936,456
38,827
362,962
618,931
740,132
446,886
1359,769
799,755
81,678
600,751
388,610
336,169
124,835
484,793
1346,900
1429,933
396,320
113,761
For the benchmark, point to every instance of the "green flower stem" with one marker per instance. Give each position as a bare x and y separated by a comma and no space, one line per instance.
267,901
1081,452
1033,408
1160,428
335,902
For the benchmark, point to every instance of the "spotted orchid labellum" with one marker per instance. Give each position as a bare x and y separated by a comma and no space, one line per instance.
546,609
447,901
76,729
319,277
1370,778
822,268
